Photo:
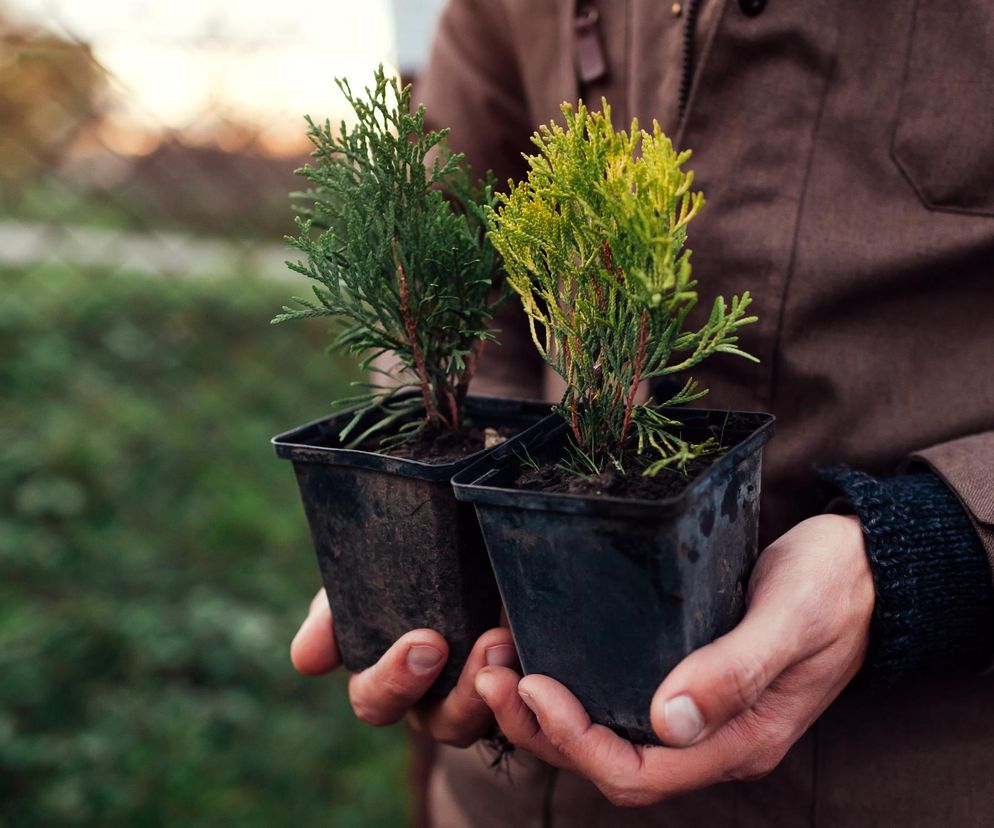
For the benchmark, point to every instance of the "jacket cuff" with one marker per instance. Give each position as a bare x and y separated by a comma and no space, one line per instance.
934,610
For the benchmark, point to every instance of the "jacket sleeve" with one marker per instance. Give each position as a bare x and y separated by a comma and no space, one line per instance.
967,467
472,85
934,610
930,538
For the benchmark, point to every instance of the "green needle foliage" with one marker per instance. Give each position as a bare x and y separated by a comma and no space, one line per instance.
593,243
393,230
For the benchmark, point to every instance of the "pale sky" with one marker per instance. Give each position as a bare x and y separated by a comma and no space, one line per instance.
263,61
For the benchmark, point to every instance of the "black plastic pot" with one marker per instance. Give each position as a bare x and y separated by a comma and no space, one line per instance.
397,551
607,595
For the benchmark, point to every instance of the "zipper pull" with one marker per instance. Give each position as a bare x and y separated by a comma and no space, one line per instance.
588,49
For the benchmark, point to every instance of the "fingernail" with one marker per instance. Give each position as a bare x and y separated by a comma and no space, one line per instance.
684,721
528,700
422,658
500,655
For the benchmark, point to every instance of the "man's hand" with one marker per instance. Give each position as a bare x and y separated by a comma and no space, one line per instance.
393,687
732,709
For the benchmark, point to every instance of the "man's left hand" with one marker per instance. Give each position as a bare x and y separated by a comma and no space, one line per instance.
732,709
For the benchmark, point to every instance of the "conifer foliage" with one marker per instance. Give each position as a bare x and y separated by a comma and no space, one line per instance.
594,244
393,231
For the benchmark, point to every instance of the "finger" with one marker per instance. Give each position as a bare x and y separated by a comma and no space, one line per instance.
462,716
498,687
612,763
735,751
383,693
313,650
725,678
627,774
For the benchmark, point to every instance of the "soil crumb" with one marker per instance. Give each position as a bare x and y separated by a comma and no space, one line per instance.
447,446
611,483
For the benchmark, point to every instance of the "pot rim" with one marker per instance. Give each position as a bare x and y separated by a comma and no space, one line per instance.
300,444
470,484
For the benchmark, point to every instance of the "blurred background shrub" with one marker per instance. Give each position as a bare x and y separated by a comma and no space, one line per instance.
154,559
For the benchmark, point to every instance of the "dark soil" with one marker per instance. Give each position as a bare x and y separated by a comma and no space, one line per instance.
445,446
667,483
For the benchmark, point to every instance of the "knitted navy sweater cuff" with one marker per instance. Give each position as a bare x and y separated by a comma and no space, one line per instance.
934,609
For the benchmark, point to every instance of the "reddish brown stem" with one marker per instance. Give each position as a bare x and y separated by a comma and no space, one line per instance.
612,268
609,262
412,335
637,377
601,301
568,356
447,398
573,416
469,371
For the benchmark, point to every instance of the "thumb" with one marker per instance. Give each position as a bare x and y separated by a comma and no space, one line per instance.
313,650
723,679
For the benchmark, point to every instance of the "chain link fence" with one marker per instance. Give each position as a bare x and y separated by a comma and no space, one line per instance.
155,559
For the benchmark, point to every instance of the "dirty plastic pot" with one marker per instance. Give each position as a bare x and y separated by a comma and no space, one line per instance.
397,551
608,594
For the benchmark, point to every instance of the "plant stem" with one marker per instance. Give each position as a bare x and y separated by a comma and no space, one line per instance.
412,334
609,262
574,421
462,387
636,377
447,398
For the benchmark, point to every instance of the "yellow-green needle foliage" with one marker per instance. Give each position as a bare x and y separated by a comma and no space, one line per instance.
594,244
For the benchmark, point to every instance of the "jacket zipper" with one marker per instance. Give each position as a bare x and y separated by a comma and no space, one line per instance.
687,75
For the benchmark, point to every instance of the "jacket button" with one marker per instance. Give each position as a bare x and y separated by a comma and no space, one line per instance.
752,7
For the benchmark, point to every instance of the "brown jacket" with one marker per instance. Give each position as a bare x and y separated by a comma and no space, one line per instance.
846,151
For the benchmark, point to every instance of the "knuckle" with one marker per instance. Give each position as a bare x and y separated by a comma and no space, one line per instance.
809,598
746,679
564,744
454,737
761,763
365,713
396,691
371,714
498,635
459,727
625,796
571,747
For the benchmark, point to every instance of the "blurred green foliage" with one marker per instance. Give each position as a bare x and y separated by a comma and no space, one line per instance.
155,564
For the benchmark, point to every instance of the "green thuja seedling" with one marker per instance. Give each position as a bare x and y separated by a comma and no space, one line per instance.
593,242
393,231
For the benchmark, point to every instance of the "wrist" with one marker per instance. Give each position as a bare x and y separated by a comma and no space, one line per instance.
856,605
864,596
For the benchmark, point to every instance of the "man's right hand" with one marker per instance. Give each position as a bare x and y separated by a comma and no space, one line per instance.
394,686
